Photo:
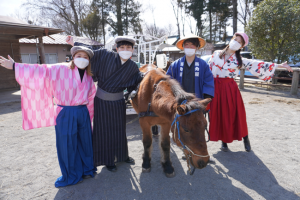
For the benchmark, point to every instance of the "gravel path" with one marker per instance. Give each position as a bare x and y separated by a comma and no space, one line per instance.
29,165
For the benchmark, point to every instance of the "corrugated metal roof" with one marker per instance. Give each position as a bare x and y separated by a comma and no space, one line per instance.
171,49
61,39
7,21
172,40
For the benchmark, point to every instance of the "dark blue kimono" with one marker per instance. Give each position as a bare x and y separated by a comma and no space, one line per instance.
204,80
109,133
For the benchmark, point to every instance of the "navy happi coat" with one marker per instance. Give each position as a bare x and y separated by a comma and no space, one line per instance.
204,80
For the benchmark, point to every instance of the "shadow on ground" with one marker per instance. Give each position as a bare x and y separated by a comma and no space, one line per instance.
234,176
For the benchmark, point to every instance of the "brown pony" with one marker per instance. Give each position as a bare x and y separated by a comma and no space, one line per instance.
166,97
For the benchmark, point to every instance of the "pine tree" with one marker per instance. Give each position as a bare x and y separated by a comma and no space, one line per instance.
196,8
91,24
104,7
127,14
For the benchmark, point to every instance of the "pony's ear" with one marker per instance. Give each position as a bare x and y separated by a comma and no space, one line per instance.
181,109
205,102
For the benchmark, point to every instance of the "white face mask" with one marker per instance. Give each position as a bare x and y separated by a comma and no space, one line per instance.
189,52
81,62
125,54
234,45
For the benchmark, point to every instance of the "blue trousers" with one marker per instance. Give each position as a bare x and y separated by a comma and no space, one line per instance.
74,145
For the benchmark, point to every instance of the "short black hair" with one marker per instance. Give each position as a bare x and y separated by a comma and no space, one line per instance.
194,41
124,43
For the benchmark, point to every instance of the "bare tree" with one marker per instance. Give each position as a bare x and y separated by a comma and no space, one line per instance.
29,17
183,16
155,31
176,9
235,15
150,7
63,13
245,11
190,23
169,30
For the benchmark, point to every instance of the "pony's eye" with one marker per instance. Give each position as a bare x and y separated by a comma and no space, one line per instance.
185,129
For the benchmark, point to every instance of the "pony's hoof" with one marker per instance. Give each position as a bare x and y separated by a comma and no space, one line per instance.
170,175
144,170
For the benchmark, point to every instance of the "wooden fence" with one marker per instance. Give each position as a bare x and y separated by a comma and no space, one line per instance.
295,79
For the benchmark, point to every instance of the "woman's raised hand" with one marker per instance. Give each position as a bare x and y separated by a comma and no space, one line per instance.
285,65
70,40
7,63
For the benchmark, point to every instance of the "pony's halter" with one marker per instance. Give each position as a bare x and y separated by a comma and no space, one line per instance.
177,126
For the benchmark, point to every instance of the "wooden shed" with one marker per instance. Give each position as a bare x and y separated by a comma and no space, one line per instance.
11,30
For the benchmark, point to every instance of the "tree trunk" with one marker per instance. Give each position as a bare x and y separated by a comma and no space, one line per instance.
220,30
182,20
234,18
183,29
42,51
216,27
126,14
119,17
210,26
224,34
200,27
178,25
103,21
75,25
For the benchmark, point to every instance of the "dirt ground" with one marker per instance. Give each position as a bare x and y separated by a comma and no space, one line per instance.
29,165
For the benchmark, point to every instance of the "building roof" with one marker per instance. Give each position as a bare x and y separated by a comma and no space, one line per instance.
61,39
172,39
171,49
21,29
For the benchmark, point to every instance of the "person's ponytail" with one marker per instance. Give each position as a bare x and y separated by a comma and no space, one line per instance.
239,58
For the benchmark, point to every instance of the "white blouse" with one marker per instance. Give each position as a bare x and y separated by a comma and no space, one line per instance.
229,69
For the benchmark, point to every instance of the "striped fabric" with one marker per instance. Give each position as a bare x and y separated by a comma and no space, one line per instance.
109,134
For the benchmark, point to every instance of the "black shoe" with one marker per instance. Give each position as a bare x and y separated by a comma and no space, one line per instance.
130,160
112,168
86,176
247,144
183,157
224,147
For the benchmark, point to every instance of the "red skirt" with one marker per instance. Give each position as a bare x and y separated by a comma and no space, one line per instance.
227,112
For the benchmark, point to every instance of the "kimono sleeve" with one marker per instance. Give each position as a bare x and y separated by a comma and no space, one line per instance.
91,96
263,70
136,79
208,82
172,71
36,95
